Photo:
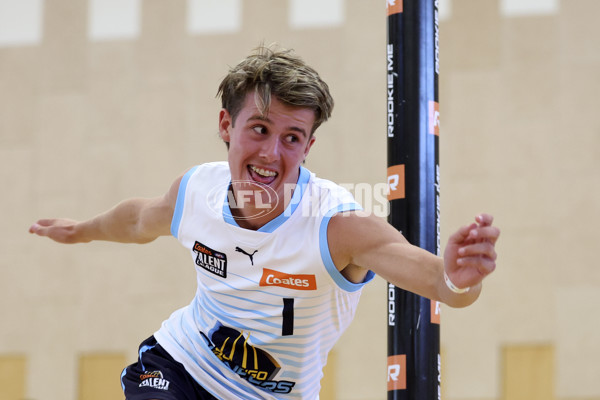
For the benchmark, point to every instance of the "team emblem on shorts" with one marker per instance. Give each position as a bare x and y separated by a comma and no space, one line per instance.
154,379
211,260
251,363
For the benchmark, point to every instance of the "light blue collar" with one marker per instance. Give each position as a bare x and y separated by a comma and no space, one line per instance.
275,223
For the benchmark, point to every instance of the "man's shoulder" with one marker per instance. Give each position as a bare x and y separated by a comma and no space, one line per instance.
215,165
215,169
330,195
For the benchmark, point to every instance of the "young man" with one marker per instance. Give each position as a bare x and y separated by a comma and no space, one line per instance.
281,255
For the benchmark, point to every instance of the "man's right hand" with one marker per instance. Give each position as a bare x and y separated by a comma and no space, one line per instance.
61,230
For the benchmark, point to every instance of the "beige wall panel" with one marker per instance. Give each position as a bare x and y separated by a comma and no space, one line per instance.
19,86
471,356
52,331
260,25
475,35
63,120
99,376
469,122
158,139
577,147
579,138
361,353
577,349
13,370
531,42
64,46
577,210
87,124
113,81
328,383
161,50
528,372
579,38
17,255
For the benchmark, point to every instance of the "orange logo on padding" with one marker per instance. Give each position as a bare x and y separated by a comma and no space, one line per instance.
396,182
436,311
394,6
396,375
298,282
434,118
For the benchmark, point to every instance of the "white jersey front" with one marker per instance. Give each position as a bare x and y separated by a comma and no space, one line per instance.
270,303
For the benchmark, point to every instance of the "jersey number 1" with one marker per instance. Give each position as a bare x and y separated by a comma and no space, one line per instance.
287,328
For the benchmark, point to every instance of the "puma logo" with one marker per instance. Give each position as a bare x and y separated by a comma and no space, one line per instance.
238,249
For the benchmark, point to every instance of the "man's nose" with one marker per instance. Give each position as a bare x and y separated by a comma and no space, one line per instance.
270,149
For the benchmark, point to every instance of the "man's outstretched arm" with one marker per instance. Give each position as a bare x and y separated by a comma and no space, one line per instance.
358,243
136,220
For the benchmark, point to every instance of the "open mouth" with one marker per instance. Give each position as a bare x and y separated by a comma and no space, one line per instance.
261,175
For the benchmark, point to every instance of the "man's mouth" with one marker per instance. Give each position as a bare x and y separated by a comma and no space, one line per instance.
261,175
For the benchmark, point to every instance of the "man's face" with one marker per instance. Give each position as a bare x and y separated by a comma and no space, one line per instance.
267,149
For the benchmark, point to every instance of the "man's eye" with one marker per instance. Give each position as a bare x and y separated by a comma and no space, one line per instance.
260,129
291,138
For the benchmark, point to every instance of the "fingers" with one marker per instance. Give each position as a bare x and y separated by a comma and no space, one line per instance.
40,226
35,228
483,265
462,234
479,249
484,233
484,219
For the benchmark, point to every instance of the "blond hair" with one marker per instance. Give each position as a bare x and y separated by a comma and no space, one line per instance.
271,71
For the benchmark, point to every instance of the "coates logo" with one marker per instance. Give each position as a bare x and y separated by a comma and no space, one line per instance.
298,282
155,380
394,6
248,194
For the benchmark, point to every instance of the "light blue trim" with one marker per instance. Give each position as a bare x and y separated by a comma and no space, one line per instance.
227,214
341,281
142,350
122,375
178,212
275,223
301,184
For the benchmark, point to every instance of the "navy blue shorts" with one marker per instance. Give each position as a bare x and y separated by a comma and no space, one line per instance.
157,375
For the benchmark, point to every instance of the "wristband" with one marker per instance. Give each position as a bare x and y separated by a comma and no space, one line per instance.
453,287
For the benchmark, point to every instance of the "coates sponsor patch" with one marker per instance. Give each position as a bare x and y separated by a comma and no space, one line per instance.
211,260
298,282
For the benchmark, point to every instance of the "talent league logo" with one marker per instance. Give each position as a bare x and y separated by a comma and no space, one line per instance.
211,260
155,380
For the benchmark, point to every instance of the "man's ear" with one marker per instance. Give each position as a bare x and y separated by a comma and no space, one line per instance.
311,141
225,124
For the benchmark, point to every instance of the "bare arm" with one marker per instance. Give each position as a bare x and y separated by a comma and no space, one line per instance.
136,220
360,243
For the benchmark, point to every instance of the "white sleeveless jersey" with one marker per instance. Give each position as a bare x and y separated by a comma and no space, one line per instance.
270,303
